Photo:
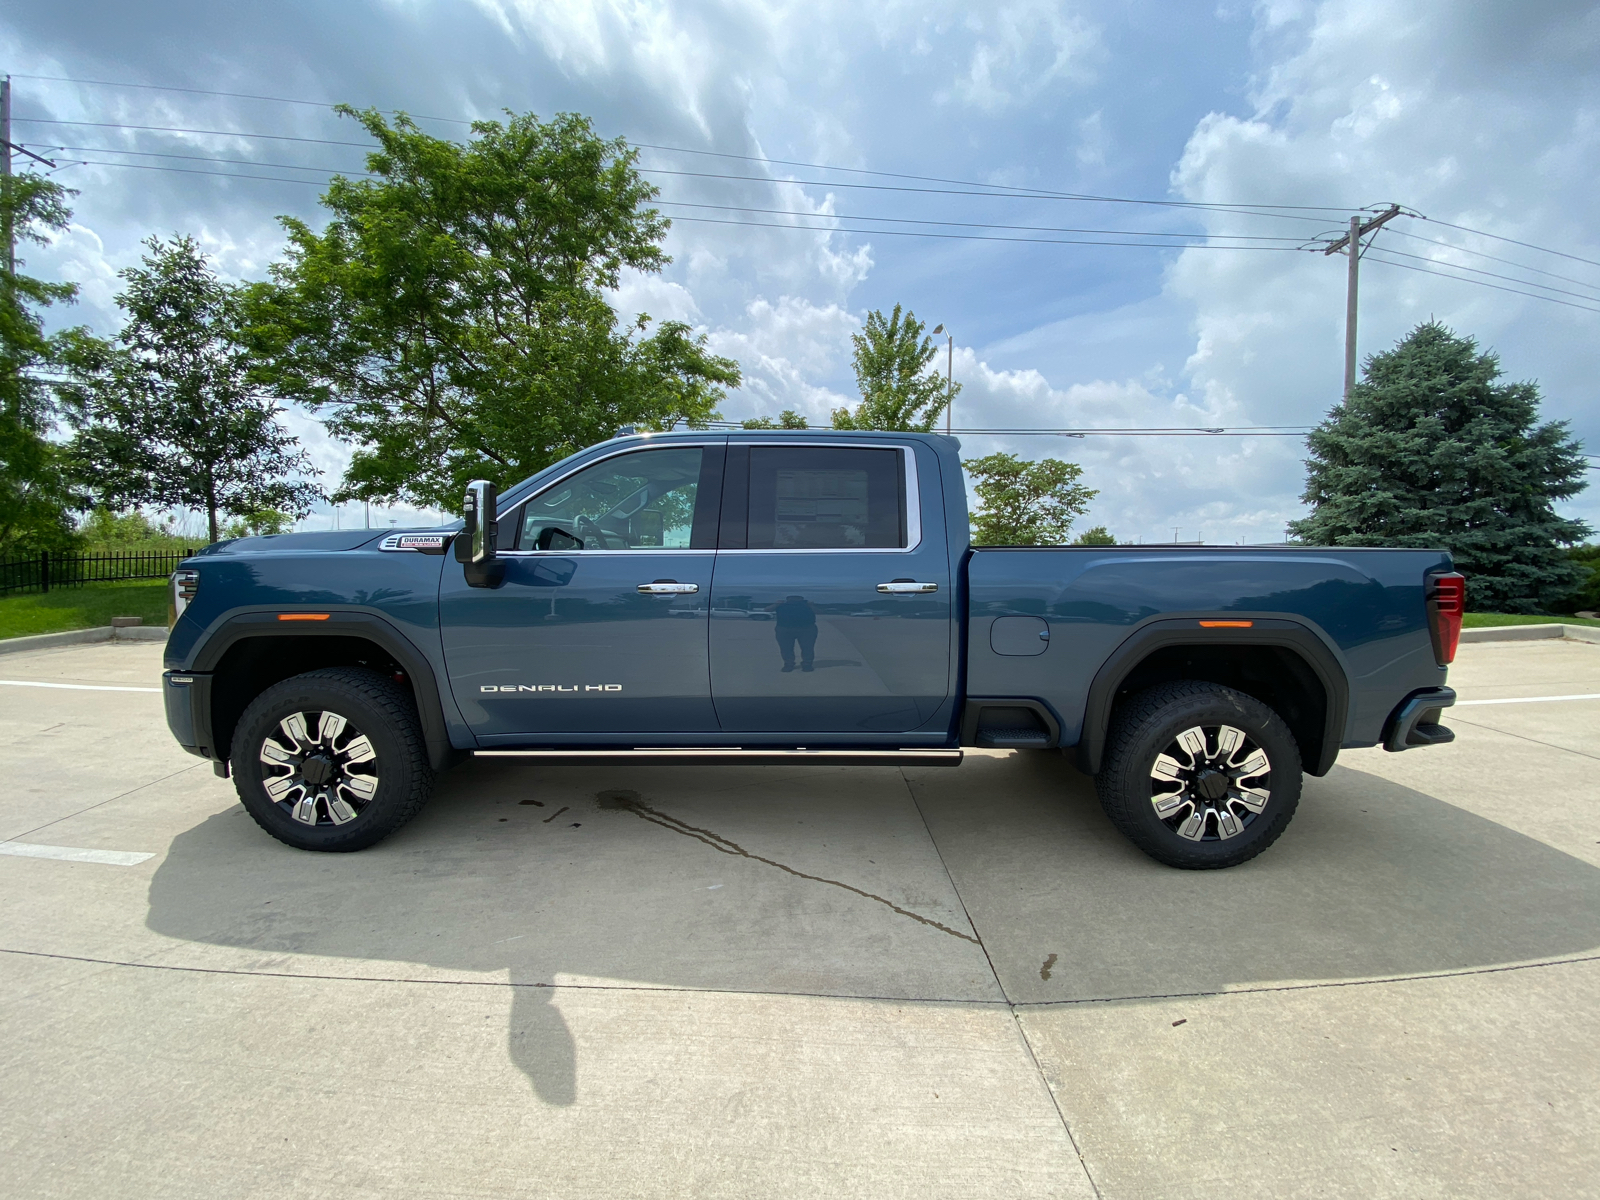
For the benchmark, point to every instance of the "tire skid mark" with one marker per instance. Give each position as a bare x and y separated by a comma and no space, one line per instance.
717,842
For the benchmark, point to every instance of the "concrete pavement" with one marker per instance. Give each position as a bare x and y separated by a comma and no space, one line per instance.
801,981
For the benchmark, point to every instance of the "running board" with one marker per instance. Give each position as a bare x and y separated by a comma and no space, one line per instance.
699,756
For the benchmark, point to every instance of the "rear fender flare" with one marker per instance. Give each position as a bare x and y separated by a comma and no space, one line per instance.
1158,635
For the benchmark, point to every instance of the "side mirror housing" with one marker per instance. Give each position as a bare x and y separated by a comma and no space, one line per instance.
475,544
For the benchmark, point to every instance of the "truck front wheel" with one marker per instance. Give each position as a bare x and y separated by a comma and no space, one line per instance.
1198,775
331,760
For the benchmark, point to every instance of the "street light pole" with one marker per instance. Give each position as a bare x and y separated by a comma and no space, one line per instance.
949,373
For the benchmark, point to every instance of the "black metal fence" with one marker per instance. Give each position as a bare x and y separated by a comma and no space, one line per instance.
46,571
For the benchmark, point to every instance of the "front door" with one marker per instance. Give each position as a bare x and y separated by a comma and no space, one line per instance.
600,625
831,605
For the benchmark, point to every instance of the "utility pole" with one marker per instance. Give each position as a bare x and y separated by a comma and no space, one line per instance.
6,147
1350,243
5,173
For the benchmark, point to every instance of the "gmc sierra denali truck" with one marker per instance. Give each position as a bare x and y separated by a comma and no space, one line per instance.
793,596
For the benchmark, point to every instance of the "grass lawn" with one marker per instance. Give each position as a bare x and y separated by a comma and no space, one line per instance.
1485,620
83,607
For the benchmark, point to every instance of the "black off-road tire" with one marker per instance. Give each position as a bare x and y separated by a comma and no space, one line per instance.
373,705
1147,726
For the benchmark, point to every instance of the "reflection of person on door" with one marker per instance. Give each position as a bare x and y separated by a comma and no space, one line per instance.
797,622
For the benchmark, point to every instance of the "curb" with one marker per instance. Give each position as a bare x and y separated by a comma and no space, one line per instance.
1532,633
79,637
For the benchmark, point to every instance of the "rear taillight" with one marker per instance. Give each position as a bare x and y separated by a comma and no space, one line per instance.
185,586
1447,603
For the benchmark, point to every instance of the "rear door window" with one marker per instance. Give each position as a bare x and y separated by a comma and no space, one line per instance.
826,498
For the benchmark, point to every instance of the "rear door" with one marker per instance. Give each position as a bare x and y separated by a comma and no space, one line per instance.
831,601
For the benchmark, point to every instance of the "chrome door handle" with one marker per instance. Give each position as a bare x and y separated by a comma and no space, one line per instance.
906,587
668,587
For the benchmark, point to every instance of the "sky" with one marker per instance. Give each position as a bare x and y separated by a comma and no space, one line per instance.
795,144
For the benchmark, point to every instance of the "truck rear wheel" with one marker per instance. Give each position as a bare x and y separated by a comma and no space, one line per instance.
331,760
1198,775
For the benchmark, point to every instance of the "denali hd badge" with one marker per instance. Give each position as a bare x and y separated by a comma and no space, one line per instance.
551,687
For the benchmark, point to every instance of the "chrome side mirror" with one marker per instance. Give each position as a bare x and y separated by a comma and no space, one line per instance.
475,544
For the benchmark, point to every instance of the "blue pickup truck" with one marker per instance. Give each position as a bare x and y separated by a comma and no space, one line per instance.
793,597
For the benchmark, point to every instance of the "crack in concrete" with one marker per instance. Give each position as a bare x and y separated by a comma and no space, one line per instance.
717,842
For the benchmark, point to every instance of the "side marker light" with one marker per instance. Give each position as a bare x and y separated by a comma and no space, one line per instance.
303,616
1226,624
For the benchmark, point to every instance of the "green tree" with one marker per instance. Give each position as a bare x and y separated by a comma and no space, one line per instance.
1586,596
165,415
1025,503
35,495
891,357
1430,450
787,419
1098,536
451,321
268,520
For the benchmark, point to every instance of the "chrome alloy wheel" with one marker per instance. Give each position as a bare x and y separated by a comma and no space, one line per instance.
325,777
1210,783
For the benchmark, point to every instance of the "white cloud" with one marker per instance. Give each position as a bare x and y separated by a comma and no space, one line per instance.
1022,48
1472,114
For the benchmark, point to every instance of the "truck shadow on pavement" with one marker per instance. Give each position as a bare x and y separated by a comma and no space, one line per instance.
859,883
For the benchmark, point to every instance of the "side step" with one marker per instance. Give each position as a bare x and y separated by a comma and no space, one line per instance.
700,756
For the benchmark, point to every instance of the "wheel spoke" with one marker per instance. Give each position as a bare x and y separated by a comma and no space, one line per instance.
305,811
276,755
1255,764
1194,828
1167,769
279,787
330,727
362,787
1227,823
294,728
339,809
1229,740
1169,804
358,751
1255,799
1193,743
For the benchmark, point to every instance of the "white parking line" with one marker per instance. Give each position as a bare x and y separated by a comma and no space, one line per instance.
1530,699
115,858
74,687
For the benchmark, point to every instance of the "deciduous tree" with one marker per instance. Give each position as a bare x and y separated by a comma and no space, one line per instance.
891,357
451,320
1431,449
165,414
1024,503
34,491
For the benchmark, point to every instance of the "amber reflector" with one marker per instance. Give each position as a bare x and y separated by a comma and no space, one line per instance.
302,616
1226,624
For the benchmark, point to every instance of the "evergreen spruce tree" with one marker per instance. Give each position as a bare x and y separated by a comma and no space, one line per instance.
1431,450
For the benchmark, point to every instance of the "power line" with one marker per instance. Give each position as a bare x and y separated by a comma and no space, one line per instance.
1417,237
1525,245
210,158
967,237
248,162
1493,275
992,188
1001,187
972,237
233,133
1243,237
1480,283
